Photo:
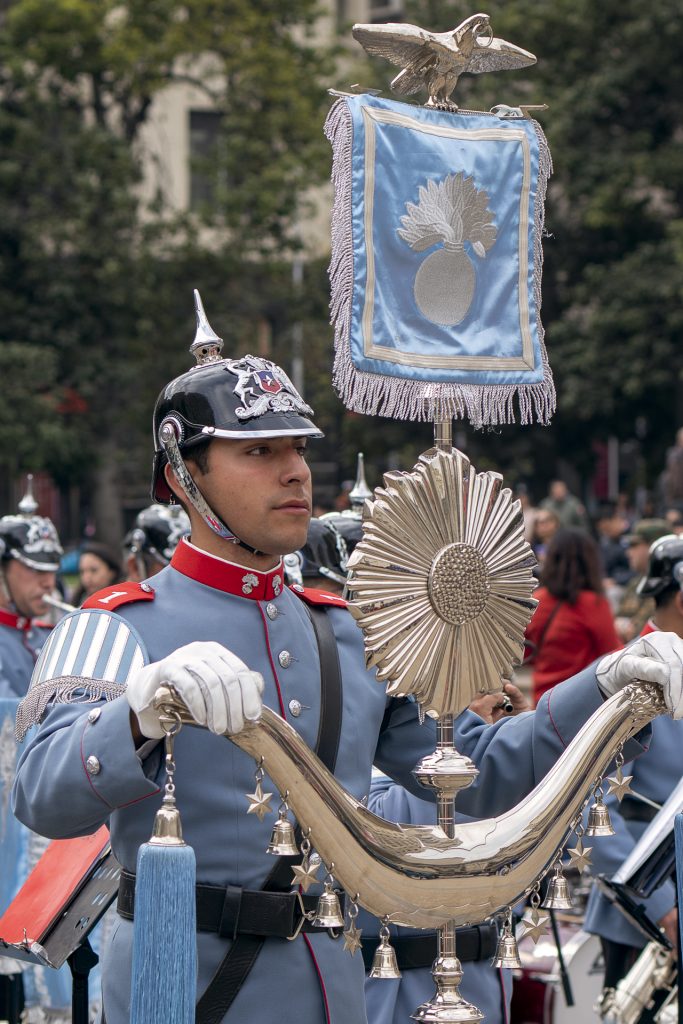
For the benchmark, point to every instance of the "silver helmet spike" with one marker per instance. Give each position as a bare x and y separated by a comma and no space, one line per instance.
360,492
207,346
28,506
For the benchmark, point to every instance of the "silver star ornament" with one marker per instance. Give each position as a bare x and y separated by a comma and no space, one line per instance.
305,874
535,924
259,802
579,856
352,936
619,785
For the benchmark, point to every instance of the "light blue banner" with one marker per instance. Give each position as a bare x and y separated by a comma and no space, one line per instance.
436,264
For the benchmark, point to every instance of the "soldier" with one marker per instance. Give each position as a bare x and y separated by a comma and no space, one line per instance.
653,779
219,624
30,553
149,546
634,609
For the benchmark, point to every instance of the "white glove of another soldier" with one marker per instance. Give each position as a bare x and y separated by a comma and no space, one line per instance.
219,690
655,658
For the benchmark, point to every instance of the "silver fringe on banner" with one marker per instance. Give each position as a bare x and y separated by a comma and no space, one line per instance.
397,397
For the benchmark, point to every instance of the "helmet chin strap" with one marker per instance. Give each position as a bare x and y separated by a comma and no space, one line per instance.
4,587
169,441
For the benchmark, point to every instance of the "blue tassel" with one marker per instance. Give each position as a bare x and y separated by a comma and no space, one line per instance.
678,836
165,936
164,978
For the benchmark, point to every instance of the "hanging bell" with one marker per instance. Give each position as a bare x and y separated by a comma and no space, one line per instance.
507,953
328,913
557,896
599,822
384,963
283,840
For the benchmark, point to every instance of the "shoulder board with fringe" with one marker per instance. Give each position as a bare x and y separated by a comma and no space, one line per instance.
89,656
120,593
319,597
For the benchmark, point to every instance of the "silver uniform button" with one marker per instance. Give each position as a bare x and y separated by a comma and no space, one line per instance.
285,659
295,708
92,765
271,611
147,588
94,714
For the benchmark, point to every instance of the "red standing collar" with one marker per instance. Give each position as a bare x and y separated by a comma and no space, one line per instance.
227,576
20,621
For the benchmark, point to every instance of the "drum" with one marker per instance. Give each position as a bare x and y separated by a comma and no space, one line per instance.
537,995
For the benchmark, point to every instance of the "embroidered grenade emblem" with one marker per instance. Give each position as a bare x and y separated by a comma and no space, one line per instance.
249,581
449,214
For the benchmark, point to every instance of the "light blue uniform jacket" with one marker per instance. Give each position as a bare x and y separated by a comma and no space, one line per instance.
19,650
56,791
654,776
393,1001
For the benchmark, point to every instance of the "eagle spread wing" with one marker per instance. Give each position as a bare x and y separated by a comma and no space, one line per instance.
498,55
401,44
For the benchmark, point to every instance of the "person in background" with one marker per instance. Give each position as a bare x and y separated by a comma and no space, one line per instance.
653,777
634,609
674,519
98,567
149,546
566,506
610,527
573,623
29,559
393,1001
546,526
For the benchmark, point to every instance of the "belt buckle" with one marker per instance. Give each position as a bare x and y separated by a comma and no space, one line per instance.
306,915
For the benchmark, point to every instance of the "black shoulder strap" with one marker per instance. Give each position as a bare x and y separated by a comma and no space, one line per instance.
234,969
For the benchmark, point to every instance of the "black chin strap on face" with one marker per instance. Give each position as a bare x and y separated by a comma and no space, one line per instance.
168,436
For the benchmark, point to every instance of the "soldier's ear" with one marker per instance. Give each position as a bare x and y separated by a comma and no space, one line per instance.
173,484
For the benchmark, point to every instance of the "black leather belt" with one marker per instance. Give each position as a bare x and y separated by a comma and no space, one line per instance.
471,944
233,911
632,809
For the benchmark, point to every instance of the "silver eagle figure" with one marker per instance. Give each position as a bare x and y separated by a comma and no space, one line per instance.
435,60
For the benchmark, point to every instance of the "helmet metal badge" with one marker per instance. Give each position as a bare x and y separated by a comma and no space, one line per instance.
236,399
29,538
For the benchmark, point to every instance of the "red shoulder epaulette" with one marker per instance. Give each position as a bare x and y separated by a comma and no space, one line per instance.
120,593
318,597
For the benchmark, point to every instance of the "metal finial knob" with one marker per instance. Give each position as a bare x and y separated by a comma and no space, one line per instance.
28,506
207,346
360,492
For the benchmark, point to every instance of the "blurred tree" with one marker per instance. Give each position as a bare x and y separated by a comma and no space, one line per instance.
102,277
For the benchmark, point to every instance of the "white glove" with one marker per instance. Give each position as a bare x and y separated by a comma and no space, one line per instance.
217,687
655,658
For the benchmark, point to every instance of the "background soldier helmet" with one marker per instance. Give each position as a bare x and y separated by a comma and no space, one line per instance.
665,567
29,538
156,533
324,554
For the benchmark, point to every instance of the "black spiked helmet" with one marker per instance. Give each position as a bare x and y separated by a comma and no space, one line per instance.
238,399
664,567
156,532
324,554
30,538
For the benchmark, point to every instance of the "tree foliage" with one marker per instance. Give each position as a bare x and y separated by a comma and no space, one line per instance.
89,269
